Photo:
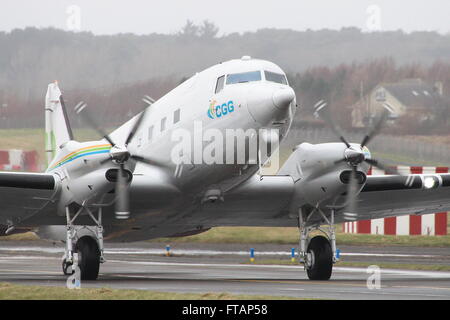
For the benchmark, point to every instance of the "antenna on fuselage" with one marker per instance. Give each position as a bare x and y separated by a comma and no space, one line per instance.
148,100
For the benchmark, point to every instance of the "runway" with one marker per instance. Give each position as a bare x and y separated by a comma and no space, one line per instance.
143,266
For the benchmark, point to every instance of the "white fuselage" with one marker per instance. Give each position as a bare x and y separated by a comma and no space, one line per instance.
205,100
253,109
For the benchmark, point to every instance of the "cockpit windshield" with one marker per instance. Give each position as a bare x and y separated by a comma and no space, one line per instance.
275,77
244,77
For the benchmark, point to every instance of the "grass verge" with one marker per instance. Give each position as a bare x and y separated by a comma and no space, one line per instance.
26,236
256,235
10,291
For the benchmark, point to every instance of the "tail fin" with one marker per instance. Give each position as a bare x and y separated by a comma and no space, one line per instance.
57,126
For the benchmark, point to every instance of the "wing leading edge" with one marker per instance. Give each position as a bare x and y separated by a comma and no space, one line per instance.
39,181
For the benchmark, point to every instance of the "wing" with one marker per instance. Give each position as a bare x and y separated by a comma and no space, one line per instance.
23,196
267,201
387,196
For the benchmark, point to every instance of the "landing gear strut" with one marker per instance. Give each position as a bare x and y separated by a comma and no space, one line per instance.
317,254
88,247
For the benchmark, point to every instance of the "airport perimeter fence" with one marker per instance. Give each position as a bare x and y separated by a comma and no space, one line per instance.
402,150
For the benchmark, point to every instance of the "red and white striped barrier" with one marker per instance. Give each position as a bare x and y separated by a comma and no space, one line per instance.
427,224
18,160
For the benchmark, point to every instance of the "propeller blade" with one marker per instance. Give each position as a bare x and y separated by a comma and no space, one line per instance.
340,161
375,130
380,165
91,122
107,159
150,161
326,116
136,126
122,195
352,190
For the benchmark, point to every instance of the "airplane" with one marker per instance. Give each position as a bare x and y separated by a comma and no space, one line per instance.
127,187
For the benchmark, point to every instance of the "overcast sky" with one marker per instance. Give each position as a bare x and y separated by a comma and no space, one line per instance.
168,16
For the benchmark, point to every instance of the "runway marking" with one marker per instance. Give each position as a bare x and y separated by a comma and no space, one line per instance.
29,271
128,276
213,265
306,282
432,274
293,289
423,287
200,252
9,258
379,292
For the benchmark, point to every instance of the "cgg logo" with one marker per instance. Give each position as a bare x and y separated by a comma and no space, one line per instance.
217,111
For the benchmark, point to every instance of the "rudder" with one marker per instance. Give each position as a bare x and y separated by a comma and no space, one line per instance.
57,126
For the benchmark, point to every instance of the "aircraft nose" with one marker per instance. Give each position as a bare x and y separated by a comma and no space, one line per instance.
267,102
283,97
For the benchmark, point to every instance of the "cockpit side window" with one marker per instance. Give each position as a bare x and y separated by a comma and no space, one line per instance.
244,77
219,84
275,77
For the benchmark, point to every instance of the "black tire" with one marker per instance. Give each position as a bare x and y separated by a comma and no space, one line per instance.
322,265
65,267
88,257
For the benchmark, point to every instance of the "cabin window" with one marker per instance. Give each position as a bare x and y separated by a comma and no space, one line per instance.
275,77
163,124
244,77
219,84
176,116
150,133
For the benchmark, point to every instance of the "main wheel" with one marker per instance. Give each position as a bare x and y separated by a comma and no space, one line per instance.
320,264
88,257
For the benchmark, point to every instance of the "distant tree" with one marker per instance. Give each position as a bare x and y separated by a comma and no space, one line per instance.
189,30
323,64
208,30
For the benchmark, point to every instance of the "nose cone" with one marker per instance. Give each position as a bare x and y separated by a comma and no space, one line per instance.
267,102
283,97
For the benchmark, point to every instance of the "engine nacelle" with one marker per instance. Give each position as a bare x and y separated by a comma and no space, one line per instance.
320,175
89,187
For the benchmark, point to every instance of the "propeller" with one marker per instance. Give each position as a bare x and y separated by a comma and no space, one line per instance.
353,156
119,154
